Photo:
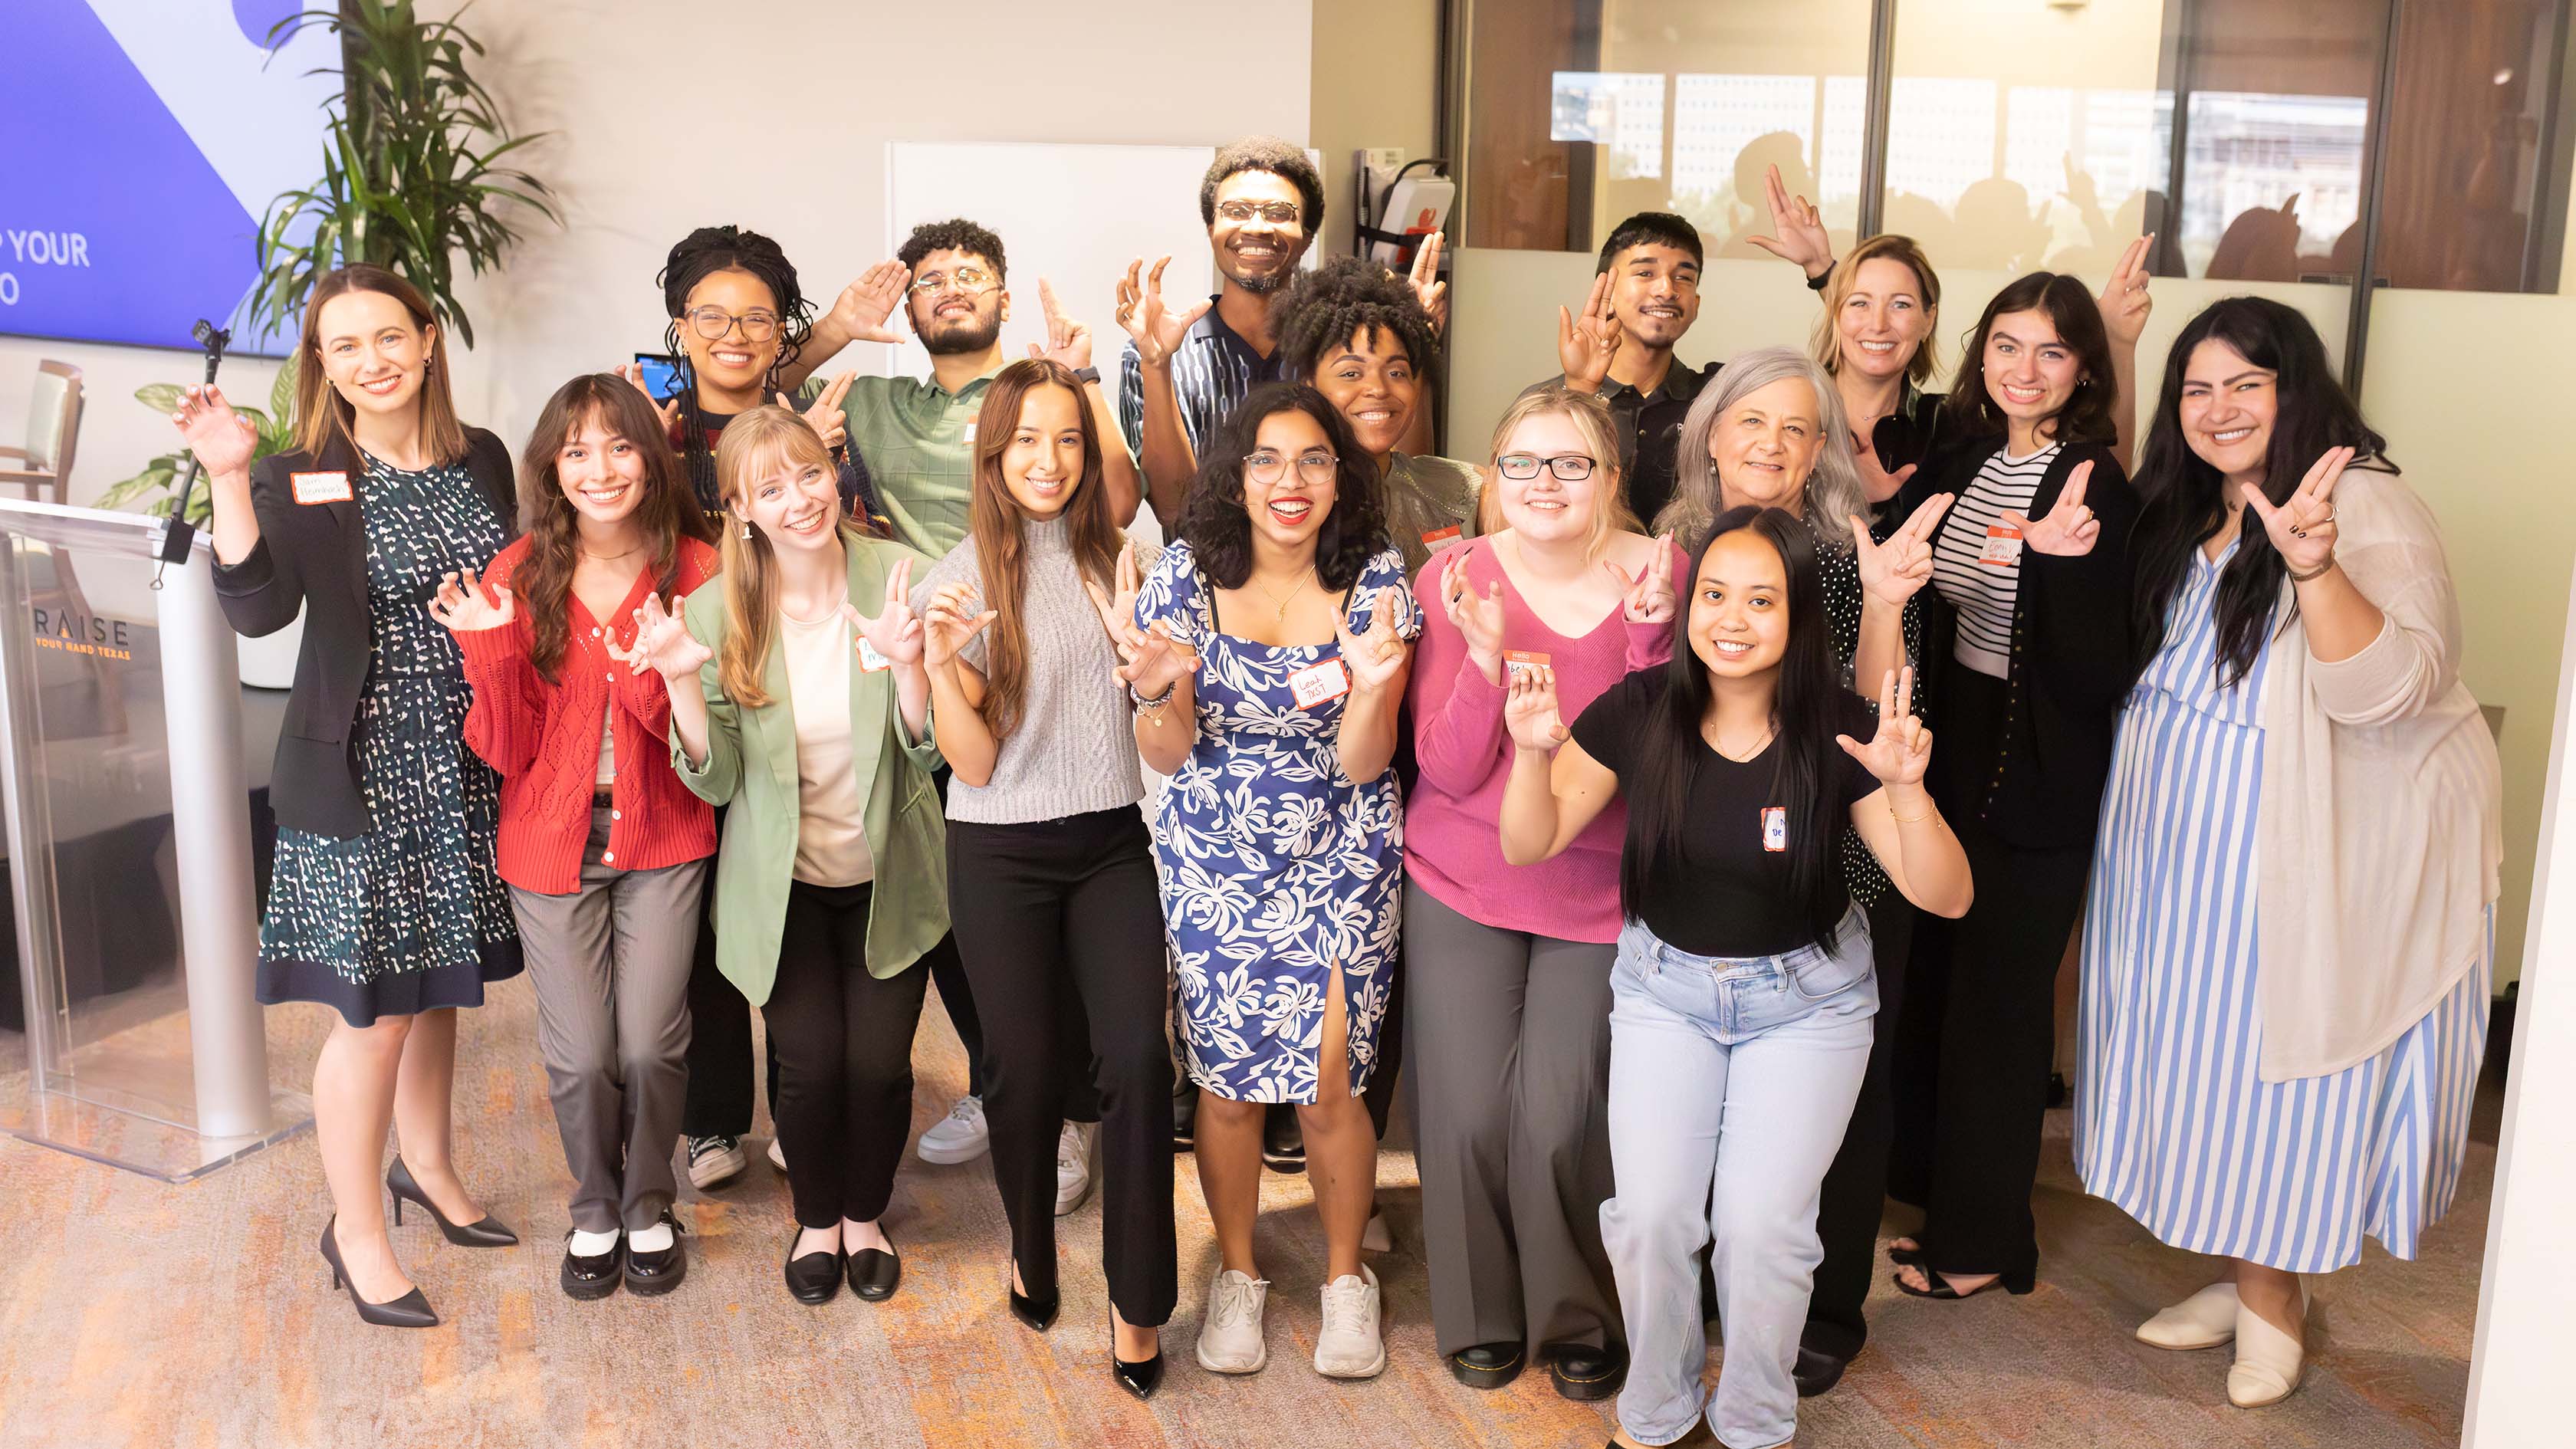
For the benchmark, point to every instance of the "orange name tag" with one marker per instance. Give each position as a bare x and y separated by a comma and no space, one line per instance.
1517,662
320,487
1440,538
2003,546
1317,683
1775,828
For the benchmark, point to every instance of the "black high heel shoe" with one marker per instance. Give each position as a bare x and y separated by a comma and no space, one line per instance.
411,1310
1037,1313
488,1232
1140,1379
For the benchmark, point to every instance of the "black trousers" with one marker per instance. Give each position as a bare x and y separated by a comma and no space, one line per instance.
1060,918
1855,1190
844,1103
1972,1054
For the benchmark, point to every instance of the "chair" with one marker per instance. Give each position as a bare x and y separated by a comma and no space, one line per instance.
53,429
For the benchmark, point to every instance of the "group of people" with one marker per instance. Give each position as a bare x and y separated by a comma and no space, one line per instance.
1596,773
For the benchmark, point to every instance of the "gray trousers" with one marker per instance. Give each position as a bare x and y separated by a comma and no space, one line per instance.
611,966
1508,1037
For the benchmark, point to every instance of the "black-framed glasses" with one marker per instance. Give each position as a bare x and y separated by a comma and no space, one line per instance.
1568,467
713,323
1277,213
1268,465
969,281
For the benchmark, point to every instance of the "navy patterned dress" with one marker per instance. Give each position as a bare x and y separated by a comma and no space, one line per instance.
1276,867
411,916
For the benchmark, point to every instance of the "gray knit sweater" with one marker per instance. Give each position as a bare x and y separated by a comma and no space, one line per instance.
1075,749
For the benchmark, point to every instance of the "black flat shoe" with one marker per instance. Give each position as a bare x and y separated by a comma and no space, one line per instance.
1037,1313
815,1277
1586,1374
2016,1284
411,1310
874,1272
1486,1365
1816,1371
486,1232
1140,1379
593,1278
658,1272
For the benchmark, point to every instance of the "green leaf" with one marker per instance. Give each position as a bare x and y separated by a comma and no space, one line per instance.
281,394
161,397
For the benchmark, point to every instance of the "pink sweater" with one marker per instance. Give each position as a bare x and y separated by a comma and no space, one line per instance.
1452,825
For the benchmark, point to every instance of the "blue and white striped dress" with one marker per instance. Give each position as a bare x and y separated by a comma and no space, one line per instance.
2173,1122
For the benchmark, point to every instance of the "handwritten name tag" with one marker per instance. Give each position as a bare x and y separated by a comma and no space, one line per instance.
1317,683
320,487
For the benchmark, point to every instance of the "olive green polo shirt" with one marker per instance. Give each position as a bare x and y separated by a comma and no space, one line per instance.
918,439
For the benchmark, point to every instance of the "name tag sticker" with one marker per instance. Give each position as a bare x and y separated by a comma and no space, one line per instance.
1440,538
970,430
1517,662
2003,546
1775,828
1317,683
320,487
870,660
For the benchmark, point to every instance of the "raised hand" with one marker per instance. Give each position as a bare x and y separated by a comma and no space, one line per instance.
2302,527
896,630
1892,572
1585,345
1799,229
1650,597
1117,610
1068,341
1902,748
1530,712
463,607
664,644
1876,483
1428,289
1160,663
825,415
1373,657
951,621
863,306
668,410
2070,528
2125,302
1477,617
222,439
1141,310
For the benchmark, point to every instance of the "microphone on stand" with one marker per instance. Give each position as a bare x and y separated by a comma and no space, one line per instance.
181,535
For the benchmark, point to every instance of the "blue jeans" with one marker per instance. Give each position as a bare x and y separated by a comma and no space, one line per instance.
1731,1080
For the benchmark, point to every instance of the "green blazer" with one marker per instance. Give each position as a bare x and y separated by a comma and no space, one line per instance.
751,768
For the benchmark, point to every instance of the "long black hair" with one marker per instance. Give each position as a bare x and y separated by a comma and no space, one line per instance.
1807,688
2185,499
1218,529
699,255
2087,416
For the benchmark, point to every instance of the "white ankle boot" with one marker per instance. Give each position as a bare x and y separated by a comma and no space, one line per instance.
2268,1361
2204,1320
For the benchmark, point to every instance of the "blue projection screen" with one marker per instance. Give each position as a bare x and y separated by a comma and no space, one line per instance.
144,139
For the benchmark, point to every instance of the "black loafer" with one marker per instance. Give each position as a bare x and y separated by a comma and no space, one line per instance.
1586,1374
1283,1144
1486,1365
874,1272
591,1279
1816,1371
661,1271
815,1277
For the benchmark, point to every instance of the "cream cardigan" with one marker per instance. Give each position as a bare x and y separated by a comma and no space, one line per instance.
2378,839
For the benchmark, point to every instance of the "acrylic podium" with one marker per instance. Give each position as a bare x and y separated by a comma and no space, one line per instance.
129,852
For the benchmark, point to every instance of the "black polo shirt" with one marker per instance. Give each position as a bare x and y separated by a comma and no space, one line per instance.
1650,431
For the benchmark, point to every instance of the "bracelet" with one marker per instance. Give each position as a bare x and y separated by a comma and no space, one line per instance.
1819,283
1910,819
2319,572
1158,701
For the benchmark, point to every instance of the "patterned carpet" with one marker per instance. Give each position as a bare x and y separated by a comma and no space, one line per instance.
132,1313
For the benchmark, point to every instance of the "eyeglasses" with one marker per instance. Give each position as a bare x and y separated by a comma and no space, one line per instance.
969,282
712,323
1277,213
1268,466
1568,467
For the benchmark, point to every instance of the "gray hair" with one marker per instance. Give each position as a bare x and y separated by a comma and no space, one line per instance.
1832,492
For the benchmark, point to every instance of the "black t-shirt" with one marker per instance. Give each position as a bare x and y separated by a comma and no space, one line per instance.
1728,893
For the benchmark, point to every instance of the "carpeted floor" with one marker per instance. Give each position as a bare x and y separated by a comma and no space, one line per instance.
136,1314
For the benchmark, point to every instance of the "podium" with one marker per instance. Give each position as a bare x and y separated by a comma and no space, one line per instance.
129,852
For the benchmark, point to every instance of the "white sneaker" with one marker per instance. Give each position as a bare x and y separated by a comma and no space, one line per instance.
1375,1238
1230,1339
1350,1346
1073,1165
777,1156
2204,1320
961,1136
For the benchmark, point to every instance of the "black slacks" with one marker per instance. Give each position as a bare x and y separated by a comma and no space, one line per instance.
844,1102
1855,1190
1060,919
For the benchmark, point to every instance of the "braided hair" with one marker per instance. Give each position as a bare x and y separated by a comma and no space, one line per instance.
1323,309
699,255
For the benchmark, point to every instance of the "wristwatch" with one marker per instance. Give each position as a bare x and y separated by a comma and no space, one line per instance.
1087,374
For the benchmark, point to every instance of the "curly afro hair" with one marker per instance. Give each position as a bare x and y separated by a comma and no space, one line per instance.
1322,309
955,234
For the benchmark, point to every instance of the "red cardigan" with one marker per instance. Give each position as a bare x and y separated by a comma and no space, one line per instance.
544,740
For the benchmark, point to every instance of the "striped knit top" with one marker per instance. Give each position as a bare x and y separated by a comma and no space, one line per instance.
1976,568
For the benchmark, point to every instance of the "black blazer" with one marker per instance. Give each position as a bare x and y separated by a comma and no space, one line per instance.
312,556
2070,667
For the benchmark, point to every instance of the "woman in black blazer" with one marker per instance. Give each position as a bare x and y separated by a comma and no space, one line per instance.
384,903
2026,652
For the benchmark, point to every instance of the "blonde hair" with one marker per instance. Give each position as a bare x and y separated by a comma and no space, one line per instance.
755,445
1827,342
1591,418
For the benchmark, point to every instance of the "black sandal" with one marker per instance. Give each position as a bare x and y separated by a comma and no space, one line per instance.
2017,1284
1904,1257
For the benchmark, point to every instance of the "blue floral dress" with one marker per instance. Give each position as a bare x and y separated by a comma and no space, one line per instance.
1276,867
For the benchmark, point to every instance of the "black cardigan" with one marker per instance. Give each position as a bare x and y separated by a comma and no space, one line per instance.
315,554
2070,665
